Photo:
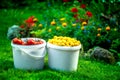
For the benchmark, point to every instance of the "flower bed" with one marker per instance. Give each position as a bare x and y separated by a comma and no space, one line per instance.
76,21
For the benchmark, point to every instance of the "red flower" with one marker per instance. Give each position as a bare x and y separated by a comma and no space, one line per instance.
89,14
83,6
22,26
30,20
74,10
75,15
65,0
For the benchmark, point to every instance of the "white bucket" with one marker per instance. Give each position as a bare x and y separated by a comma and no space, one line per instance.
29,57
63,58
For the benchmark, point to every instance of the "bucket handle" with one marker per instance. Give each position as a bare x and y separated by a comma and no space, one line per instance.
33,56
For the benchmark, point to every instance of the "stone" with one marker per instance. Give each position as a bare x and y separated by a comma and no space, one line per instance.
102,54
13,32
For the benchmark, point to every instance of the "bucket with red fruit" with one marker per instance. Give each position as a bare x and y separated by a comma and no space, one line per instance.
63,53
28,53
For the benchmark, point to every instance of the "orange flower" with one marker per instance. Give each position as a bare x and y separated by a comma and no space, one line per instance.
53,22
84,23
98,35
99,29
64,24
108,28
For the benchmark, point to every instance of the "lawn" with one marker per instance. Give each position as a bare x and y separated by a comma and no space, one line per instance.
87,69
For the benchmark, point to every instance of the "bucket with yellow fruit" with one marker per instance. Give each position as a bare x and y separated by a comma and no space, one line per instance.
63,53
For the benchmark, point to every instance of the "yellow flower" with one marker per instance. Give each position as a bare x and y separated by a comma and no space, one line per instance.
99,29
62,19
74,24
35,19
57,28
82,28
84,23
98,35
64,24
53,22
40,25
55,37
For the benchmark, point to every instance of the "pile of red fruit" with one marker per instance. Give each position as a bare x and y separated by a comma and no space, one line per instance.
27,41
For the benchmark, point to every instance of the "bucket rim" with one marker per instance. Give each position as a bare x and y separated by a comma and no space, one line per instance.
30,46
49,45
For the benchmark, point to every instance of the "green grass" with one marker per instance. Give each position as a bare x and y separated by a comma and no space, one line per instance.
87,69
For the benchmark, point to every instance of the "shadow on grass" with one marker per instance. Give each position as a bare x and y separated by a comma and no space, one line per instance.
2,77
5,64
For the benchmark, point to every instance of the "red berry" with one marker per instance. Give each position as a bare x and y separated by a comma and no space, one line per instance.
39,42
31,42
17,41
27,42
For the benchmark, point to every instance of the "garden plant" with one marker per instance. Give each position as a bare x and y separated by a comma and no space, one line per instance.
92,24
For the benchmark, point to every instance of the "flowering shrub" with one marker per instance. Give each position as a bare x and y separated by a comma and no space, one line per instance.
76,21
80,12
28,26
59,27
24,29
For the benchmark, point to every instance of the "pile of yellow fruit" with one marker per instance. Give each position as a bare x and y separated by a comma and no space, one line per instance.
64,41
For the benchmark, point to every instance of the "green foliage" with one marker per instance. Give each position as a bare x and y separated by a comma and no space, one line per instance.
116,44
87,69
85,29
16,3
106,11
6,3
